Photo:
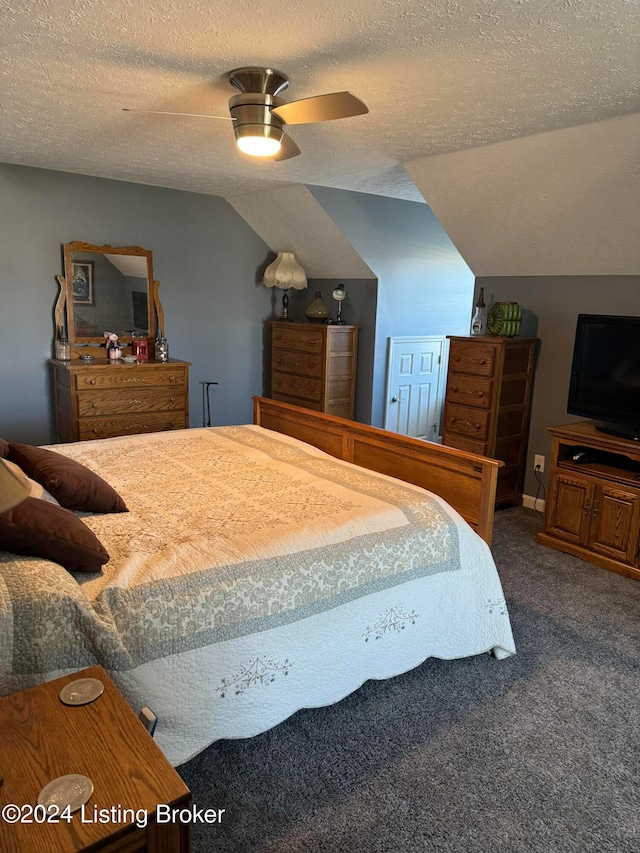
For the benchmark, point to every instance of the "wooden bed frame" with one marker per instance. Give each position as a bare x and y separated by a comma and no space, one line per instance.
464,480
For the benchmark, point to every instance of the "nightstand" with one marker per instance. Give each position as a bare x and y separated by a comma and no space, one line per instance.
41,739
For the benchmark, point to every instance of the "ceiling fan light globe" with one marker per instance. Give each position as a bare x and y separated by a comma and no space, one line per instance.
259,140
258,146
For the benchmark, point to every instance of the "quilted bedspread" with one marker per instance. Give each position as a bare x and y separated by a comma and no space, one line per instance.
234,535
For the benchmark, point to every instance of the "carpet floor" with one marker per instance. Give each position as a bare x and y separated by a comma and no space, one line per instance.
539,752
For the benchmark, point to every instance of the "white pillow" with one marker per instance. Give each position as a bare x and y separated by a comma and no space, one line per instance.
37,491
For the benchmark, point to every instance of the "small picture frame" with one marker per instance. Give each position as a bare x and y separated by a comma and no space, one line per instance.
82,283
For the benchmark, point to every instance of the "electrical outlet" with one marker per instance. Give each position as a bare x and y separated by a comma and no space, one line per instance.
538,463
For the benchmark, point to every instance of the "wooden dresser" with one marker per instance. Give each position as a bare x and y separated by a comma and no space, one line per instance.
488,404
314,365
109,398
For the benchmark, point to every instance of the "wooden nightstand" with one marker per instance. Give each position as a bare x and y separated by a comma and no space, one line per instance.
41,739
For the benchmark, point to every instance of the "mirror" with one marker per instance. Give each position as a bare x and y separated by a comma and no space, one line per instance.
108,289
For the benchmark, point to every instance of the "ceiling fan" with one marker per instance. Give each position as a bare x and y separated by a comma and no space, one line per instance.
259,116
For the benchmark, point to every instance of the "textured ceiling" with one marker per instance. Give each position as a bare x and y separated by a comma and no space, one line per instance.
290,217
438,76
566,202
511,118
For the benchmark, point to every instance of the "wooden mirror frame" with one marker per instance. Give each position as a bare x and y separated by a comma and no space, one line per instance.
64,315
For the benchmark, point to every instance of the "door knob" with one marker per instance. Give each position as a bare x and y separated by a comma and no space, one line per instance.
394,399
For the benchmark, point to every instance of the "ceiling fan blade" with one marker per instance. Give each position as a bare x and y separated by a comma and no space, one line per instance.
321,108
288,149
164,113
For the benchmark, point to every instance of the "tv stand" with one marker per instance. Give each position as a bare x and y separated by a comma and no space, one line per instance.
620,431
593,507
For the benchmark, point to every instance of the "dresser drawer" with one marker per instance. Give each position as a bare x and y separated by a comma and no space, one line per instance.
130,424
303,340
469,444
138,400
296,386
297,362
296,401
476,359
469,390
130,376
463,420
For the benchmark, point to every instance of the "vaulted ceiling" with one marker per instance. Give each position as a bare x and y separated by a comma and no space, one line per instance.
513,119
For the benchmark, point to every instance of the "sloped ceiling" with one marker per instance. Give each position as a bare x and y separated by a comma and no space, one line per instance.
566,202
438,77
290,217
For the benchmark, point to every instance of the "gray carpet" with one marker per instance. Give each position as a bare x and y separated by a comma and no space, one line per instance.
539,752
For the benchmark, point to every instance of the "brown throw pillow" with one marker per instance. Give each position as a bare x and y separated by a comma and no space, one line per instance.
4,449
38,528
73,485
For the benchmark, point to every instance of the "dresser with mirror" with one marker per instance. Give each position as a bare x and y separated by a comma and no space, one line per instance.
111,289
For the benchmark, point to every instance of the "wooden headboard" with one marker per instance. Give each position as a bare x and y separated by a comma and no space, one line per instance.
464,480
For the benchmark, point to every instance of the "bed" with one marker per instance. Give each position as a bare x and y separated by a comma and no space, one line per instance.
262,569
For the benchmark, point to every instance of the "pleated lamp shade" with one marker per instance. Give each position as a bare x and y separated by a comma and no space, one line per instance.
13,488
285,272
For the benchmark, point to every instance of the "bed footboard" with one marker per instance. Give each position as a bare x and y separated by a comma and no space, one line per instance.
464,480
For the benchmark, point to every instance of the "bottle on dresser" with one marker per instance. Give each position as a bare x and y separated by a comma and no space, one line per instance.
479,322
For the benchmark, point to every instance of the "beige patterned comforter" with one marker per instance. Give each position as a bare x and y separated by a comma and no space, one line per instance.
231,531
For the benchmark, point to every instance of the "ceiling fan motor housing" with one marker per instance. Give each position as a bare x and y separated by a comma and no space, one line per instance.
253,117
265,81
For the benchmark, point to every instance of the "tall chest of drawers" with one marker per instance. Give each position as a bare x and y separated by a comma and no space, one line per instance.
314,366
488,404
109,398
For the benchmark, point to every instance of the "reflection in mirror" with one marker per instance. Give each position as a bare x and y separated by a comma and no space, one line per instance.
106,289
109,294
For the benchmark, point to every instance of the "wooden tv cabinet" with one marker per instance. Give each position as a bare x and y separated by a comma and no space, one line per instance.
593,506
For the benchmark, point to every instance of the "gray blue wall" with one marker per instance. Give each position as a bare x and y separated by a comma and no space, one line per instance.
424,285
205,256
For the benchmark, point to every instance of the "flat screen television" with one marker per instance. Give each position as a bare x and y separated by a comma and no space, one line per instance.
605,373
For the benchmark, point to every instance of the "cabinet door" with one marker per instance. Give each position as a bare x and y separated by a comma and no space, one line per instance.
615,523
570,504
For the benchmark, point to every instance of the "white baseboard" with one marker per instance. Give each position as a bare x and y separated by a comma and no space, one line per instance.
531,503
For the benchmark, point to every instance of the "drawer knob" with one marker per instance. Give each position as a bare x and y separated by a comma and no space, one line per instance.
92,382
172,379
94,431
94,405
172,423
172,399
477,360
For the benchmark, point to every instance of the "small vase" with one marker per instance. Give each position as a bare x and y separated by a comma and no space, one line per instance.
317,312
